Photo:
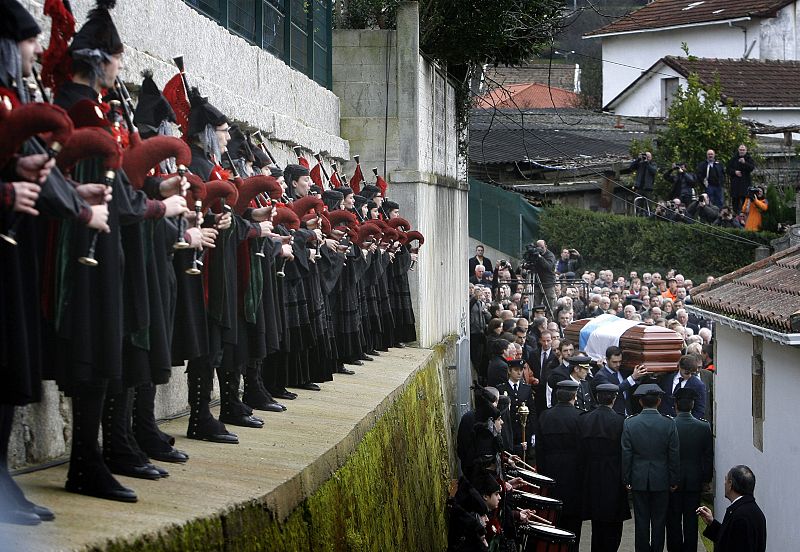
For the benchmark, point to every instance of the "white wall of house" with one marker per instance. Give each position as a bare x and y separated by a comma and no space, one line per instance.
777,483
776,38
642,50
648,99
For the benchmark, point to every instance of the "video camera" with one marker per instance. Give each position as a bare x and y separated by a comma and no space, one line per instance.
754,191
531,255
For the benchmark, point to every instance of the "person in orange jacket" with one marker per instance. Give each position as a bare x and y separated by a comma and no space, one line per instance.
753,208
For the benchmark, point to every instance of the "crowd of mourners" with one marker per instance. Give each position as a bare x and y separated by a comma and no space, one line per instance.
557,437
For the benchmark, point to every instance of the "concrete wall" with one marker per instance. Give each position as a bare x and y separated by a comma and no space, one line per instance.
776,487
425,174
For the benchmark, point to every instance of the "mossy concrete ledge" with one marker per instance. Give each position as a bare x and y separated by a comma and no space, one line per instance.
361,466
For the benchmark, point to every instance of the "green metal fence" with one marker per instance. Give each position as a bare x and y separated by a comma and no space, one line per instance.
299,32
500,219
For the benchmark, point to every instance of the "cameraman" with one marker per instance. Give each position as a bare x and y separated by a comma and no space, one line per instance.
702,210
646,170
754,206
569,263
683,182
543,264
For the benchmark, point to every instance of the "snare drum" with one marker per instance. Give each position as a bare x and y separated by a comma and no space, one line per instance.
538,480
543,538
546,507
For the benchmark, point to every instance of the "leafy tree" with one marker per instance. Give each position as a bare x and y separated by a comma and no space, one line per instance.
700,119
466,34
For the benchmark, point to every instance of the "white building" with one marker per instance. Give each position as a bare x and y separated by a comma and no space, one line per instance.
768,91
756,311
722,29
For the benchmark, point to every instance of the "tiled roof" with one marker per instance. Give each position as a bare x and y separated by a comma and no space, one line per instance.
765,293
671,13
749,83
566,138
528,96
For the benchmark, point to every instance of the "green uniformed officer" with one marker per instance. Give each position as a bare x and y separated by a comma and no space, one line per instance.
650,467
697,458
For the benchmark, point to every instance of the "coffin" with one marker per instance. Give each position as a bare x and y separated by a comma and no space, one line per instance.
659,349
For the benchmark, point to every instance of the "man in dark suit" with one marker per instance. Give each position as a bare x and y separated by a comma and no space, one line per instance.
544,361
685,378
711,173
650,467
744,527
609,373
605,500
697,459
479,259
558,455
519,393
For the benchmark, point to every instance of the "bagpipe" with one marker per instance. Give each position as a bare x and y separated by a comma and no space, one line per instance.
44,127
91,143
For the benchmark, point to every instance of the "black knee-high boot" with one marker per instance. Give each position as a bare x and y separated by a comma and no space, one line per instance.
120,451
256,395
88,474
155,443
202,424
14,507
232,410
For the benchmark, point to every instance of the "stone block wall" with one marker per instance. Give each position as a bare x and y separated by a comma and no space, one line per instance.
245,82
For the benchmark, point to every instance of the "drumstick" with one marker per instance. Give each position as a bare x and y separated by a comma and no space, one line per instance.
541,519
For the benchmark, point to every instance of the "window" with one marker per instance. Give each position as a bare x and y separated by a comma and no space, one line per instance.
296,31
668,89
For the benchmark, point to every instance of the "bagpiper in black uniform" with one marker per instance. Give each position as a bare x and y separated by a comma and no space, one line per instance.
25,214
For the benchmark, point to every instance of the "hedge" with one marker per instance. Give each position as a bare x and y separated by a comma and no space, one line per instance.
625,243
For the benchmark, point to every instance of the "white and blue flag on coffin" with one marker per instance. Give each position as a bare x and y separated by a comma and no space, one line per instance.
603,332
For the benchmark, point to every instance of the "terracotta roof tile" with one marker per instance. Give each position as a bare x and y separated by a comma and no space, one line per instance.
670,13
765,293
750,83
528,96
